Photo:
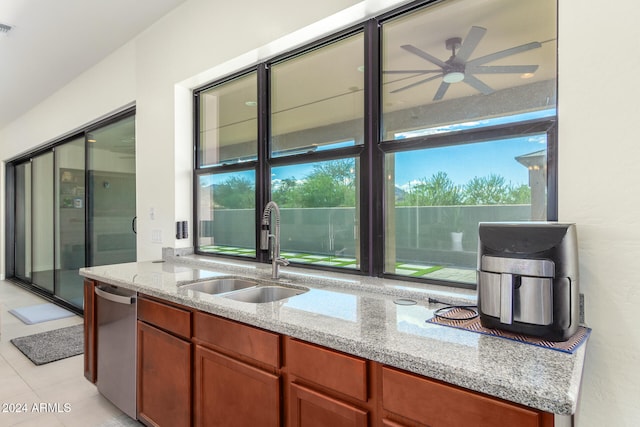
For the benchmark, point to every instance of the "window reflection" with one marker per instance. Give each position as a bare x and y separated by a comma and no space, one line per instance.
228,122
462,60
317,99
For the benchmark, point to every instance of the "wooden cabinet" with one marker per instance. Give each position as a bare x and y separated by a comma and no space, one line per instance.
236,377
90,324
195,368
164,364
232,393
432,403
311,408
326,387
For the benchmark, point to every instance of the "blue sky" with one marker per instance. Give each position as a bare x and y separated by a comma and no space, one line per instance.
464,162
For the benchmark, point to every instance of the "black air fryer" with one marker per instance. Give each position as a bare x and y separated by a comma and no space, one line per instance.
528,278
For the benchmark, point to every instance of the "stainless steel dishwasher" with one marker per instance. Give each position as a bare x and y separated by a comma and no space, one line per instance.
116,366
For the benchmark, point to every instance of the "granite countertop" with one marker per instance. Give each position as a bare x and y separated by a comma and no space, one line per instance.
360,316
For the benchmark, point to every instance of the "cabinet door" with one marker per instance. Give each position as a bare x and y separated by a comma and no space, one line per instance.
231,393
436,404
309,408
164,378
89,332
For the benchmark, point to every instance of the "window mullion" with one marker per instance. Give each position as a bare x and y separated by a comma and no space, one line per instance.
371,179
263,175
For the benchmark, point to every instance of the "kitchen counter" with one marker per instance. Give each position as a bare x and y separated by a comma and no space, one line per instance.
361,316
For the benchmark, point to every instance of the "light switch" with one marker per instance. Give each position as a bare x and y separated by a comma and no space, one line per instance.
156,236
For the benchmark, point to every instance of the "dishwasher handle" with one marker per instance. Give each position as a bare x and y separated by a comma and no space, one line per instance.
120,299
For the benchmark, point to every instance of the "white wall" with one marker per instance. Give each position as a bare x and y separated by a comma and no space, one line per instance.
598,149
599,188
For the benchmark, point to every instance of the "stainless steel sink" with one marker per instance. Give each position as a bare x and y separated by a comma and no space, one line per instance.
263,294
220,286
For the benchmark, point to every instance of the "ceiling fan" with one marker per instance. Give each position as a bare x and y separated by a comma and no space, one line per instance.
458,68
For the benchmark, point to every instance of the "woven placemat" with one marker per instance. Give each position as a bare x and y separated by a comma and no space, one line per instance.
473,325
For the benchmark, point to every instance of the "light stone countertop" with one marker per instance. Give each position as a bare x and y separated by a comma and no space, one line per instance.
358,315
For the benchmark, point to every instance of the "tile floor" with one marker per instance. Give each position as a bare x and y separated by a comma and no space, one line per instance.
72,400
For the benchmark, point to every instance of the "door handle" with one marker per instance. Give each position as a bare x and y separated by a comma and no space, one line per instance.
134,224
120,299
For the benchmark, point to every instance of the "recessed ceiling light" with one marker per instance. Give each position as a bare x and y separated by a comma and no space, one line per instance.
526,75
250,103
361,68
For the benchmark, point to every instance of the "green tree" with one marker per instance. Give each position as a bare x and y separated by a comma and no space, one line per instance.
439,190
520,195
286,193
235,193
330,184
493,190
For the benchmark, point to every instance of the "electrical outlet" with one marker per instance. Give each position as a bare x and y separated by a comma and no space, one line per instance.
156,236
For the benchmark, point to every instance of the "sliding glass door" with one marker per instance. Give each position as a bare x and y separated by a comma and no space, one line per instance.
70,220
22,248
42,221
74,205
112,189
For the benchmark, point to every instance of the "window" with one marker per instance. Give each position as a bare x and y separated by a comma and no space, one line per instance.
387,144
318,212
458,79
226,167
317,109
311,166
226,212
435,198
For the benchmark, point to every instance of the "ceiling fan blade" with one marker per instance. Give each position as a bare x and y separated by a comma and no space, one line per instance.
416,84
441,91
504,53
411,71
500,69
424,55
470,43
477,84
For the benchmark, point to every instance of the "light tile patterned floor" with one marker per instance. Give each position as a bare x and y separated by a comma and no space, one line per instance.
55,394
437,272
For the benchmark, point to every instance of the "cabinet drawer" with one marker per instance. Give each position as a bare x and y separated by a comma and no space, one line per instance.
168,317
245,340
433,403
328,368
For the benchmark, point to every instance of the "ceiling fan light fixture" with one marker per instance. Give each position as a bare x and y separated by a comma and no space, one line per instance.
453,77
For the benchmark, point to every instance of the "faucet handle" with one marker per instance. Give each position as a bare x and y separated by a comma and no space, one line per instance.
264,238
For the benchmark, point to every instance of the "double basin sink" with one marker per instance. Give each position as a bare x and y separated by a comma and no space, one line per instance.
244,290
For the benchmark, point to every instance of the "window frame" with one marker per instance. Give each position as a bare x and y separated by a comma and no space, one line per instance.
371,154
